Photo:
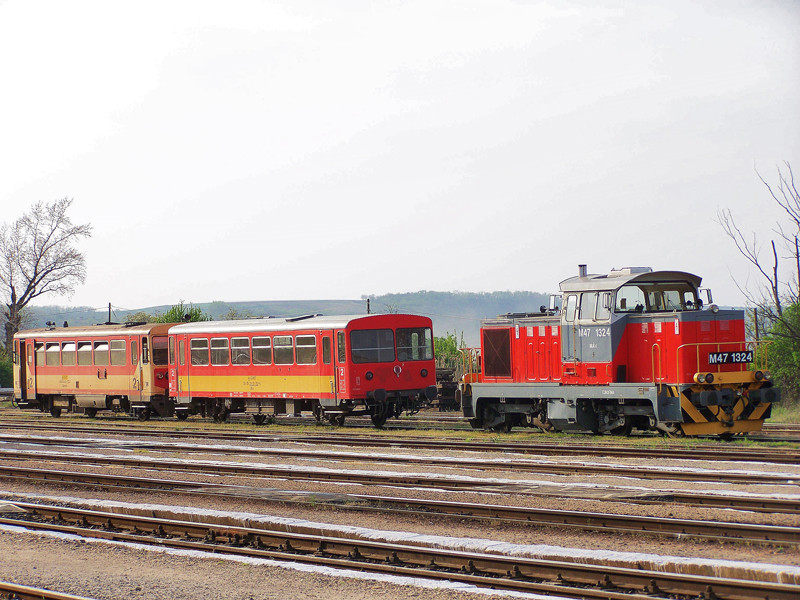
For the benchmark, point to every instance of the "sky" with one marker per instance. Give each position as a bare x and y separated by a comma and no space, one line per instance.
273,150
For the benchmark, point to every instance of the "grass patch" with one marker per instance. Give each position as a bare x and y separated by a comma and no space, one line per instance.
785,413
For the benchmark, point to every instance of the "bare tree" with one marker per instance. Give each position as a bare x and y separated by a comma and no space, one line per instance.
38,255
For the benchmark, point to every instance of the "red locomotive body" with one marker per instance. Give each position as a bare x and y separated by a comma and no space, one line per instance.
102,367
633,348
377,365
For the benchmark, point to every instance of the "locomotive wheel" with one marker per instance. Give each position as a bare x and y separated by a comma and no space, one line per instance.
623,430
55,412
90,412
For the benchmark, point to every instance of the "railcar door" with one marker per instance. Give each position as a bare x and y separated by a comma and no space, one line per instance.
30,380
136,371
341,390
22,359
327,368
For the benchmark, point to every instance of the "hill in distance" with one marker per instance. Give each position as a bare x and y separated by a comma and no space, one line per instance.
459,313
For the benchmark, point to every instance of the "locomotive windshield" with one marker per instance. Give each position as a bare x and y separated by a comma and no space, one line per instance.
657,297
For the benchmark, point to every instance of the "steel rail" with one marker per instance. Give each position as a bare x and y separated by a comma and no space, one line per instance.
14,591
418,559
550,468
716,452
592,521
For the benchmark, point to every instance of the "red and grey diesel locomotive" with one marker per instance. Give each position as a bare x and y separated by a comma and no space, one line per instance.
376,365
630,349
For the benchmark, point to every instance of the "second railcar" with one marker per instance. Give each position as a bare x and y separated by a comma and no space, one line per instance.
334,366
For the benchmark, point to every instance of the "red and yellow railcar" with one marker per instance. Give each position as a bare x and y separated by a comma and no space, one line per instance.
334,366
634,348
102,367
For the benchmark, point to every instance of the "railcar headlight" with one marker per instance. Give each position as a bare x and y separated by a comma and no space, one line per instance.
369,375
709,378
759,375
424,372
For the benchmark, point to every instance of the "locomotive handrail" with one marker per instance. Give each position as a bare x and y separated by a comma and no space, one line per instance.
656,351
470,363
760,355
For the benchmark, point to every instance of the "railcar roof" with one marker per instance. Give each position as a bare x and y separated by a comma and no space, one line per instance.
93,330
616,279
290,324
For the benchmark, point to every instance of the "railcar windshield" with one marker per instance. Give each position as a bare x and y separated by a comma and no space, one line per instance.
160,350
372,345
415,344
657,297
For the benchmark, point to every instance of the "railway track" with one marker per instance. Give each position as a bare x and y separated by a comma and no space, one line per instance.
590,579
13,591
548,467
430,481
591,521
714,453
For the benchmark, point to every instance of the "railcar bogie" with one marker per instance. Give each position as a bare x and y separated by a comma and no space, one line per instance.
631,349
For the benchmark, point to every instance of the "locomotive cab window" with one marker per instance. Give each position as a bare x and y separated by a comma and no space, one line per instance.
414,344
571,308
667,296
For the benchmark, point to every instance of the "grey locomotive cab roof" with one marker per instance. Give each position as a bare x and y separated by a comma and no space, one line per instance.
616,279
269,324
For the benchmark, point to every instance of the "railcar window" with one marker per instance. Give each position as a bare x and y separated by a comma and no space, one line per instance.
219,351
117,352
84,353
172,350
284,350
68,354
372,345
182,352
240,351
341,352
134,352
262,351
306,350
415,344
145,352
101,353
39,349
326,350
51,354
572,306
160,350
16,352
199,348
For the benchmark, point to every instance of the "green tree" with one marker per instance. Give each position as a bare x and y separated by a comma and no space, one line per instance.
182,313
784,352
6,372
447,349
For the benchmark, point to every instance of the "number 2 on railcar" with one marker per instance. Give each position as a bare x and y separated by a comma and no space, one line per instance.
630,349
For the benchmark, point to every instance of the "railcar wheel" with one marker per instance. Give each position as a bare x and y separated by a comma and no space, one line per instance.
317,412
260,419
91,412
182,415
55,412
337,420
379,420
380,415
144,414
